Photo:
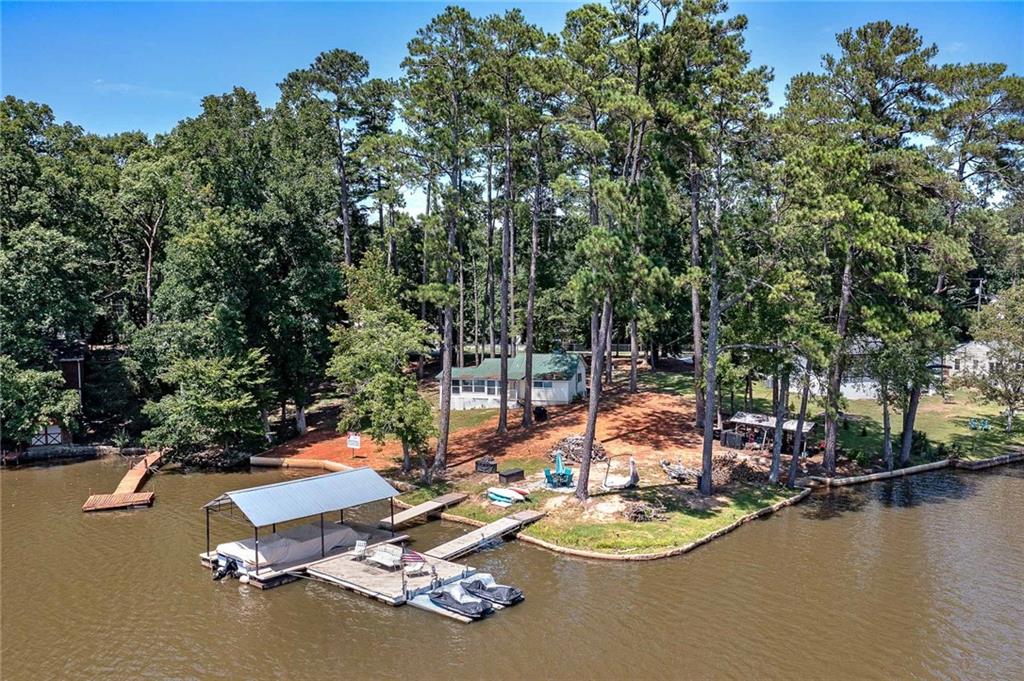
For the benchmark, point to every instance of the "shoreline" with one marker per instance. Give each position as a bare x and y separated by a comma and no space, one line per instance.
1003,459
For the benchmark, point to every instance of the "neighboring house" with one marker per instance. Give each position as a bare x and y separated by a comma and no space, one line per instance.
858,383
967,358
558,378
69,358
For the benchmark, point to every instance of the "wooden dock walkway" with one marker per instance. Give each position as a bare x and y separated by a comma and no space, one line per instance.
127,494
474,539
435,505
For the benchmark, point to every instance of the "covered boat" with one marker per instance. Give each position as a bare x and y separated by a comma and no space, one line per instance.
455,598
293,545
482,585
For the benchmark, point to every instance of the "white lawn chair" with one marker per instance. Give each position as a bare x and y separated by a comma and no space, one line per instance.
359,550
387,556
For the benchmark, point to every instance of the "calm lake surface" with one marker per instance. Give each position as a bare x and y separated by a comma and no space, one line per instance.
918,578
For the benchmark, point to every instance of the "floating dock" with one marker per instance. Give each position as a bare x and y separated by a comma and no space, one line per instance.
427,508
127,494
393,587
473,540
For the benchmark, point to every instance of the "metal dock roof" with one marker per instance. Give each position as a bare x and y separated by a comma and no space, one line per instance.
292,499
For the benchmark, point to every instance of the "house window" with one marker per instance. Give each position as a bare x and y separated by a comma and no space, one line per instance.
542,384
479,386
492,387
956,364
579,377
456,387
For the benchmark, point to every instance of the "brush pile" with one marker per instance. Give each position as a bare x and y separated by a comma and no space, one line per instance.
572,450
725,468
643,512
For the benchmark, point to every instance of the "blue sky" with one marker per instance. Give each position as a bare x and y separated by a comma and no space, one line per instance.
144,66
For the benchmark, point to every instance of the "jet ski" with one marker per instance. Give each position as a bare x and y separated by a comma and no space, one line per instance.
482,585
453,597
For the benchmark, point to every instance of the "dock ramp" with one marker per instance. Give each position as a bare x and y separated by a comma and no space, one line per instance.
473,540
427,508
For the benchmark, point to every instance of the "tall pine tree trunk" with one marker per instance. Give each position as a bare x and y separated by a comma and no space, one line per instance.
695,312
798,437
608,342
506,241
490,249
835,377
462,316
909,417
780,418
477,343
634,354
886,427
531,294
595,396
441,454
710,378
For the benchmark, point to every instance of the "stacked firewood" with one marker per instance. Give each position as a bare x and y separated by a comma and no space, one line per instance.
572,449
643,512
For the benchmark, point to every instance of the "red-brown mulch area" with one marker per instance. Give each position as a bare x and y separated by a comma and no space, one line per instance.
647,425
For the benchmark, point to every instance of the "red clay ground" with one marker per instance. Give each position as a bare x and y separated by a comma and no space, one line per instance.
651,426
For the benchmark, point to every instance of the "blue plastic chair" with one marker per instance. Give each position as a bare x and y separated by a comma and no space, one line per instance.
550,478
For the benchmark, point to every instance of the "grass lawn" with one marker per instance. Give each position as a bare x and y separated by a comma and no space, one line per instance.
684,524
688,516
942,421
945,422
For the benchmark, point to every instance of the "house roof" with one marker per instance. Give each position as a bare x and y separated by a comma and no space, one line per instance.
558,366
292,499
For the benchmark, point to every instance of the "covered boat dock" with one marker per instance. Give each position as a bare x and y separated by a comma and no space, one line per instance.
277,557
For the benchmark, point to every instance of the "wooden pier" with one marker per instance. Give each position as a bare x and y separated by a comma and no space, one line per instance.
473,540
427,508
127,494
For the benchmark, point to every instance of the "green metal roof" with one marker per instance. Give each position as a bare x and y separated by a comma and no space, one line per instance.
558,366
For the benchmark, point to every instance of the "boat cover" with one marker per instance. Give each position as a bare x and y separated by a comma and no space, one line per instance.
293,545
453,597
482,585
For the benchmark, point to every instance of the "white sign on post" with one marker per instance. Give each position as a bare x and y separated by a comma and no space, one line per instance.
353,439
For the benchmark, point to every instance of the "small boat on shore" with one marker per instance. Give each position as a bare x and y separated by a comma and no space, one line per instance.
505,495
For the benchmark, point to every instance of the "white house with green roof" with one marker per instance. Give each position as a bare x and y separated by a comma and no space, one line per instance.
558,378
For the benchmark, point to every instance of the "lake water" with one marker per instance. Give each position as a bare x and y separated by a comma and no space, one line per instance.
921,578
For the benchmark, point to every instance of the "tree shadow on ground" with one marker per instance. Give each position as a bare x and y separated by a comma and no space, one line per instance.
675,500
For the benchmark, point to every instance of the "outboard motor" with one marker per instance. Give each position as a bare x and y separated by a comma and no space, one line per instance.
228,568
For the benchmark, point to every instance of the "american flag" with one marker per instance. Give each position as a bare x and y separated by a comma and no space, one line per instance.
412,557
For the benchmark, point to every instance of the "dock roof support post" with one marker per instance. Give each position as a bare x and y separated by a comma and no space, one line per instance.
322,551
391,501
207,531
257,531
